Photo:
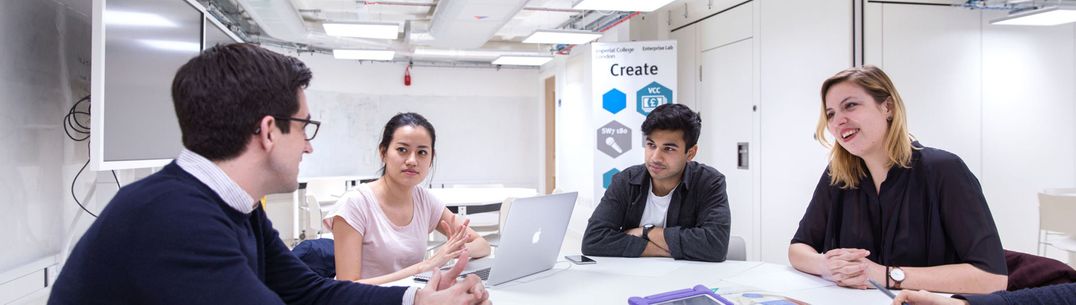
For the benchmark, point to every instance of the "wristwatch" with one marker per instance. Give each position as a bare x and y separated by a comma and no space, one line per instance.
897,276
646,231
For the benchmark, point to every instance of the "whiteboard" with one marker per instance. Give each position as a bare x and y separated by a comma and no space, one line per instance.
479,139
48,51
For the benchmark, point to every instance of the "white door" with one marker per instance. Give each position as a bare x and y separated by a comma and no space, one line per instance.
725,104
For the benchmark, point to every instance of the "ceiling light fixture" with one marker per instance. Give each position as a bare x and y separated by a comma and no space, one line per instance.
480,53
173,45
621,5
1044,16
363,30
114,17
364,54
522,60
455,53
562,37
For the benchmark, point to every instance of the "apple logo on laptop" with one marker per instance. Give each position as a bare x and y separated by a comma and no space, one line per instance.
537,236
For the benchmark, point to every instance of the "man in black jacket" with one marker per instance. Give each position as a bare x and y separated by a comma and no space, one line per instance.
670,206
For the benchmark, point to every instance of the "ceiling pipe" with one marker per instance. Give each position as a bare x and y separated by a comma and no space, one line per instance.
432,4
603,29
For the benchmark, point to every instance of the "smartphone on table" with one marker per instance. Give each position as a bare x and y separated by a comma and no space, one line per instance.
580,259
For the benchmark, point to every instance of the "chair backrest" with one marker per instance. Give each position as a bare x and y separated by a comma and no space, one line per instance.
507,204
1030,271
1056,212
737,249
1060,191
314,215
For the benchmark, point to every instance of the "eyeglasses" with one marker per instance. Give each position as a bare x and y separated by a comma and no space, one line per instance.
310,127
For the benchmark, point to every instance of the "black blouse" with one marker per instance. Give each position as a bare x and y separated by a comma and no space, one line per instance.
932,213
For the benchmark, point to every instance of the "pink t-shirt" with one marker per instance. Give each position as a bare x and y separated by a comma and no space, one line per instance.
387,247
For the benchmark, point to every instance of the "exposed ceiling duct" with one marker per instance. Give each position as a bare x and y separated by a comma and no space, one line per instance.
468,24
279,20
453,31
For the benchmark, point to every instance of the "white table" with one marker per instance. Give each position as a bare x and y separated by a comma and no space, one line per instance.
613,280
479,197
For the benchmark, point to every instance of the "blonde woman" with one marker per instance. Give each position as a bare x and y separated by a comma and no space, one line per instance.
889,209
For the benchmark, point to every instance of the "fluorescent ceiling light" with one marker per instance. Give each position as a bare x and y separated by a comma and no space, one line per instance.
562,37
114,17
364,54
1047,16
173,45
522,60
472,53
363,30
621,5
456,53
420,37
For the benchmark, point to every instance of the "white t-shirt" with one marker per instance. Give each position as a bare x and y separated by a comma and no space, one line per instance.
657,207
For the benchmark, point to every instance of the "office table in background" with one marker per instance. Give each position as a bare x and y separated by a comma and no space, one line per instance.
479,199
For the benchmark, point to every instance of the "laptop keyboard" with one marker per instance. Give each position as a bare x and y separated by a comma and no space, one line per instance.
481,273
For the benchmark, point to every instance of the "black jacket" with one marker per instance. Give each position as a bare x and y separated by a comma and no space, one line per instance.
697,223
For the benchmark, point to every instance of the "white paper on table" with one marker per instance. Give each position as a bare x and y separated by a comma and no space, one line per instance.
778,278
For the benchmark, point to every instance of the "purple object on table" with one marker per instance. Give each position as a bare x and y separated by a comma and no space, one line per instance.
677,295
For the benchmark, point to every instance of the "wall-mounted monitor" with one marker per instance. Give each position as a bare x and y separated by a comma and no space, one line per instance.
137,46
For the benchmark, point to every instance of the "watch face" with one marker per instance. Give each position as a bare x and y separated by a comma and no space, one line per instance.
896,274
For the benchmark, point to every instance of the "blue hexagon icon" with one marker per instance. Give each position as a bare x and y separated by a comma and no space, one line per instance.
614,101
607,177
652,96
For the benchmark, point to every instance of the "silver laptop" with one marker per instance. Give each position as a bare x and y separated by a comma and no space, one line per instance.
530,241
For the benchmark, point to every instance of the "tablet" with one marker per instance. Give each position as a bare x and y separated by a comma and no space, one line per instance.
700,299
698,295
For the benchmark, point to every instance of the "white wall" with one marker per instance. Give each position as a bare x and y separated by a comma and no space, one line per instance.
935,61
1000,97
478,142
1028,110
801,44
687,71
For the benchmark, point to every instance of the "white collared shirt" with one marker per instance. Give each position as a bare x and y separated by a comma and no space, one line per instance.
209,173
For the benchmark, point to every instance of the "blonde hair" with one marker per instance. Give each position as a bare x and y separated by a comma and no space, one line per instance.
846,169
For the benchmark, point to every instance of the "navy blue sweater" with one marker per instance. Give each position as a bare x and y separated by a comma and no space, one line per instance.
1060,294
169,239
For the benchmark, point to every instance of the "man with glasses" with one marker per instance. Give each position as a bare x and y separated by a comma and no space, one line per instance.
193,233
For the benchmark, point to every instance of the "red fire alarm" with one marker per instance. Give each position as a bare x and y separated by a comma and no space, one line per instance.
407,75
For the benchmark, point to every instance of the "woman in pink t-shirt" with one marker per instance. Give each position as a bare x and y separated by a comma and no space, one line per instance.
381,227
